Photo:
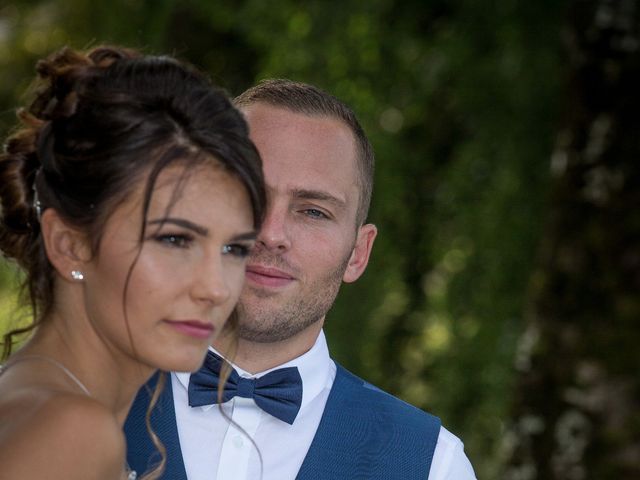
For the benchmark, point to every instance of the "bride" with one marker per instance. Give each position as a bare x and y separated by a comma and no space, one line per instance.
130,196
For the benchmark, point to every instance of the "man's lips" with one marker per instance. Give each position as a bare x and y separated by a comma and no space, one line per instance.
192,328
268,276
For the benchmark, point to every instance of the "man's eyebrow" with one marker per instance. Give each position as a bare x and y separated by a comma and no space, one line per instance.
305,194
180,222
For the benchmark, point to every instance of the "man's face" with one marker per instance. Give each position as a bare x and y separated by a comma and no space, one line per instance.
309,242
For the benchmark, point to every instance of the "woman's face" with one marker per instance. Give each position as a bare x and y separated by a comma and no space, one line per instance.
187,277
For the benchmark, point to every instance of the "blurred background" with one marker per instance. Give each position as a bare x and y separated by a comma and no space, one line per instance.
503,293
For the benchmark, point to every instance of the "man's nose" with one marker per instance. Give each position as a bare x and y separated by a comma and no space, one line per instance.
274,234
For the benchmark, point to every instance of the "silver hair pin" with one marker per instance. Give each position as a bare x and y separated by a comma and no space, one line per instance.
36,204
36,200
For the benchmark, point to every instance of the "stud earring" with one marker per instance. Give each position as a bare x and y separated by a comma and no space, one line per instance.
77,275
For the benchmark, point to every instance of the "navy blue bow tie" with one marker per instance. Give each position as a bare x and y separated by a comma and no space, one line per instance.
278,393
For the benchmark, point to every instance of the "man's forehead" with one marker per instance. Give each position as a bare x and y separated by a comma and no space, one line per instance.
304,156
264,116
277,130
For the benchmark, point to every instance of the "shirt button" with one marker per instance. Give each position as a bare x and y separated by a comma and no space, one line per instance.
238,441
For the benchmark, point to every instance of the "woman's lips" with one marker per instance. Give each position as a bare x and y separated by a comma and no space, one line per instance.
192,328
268,276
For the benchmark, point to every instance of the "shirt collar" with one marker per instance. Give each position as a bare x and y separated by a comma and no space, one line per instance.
314,367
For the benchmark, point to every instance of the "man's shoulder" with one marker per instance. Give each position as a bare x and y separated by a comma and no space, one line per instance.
362,421
418,427
378,402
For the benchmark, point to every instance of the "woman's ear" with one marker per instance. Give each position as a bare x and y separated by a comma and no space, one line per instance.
67,248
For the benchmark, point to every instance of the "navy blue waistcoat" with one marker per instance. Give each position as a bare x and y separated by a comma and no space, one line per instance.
364,433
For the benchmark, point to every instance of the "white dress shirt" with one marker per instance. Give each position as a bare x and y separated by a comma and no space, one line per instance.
256,445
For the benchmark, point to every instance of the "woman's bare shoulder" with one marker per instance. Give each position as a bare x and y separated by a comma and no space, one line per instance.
53,434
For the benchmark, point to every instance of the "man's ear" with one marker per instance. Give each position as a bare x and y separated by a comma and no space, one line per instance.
67,248
361,251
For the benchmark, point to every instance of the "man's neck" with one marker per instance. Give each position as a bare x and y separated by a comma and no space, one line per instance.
254,357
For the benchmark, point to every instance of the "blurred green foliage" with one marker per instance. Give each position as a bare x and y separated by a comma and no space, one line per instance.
460,99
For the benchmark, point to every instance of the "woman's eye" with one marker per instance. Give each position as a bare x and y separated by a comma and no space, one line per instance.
236,249
173,240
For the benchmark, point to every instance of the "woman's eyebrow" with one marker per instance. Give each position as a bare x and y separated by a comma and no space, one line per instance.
246,236
181,222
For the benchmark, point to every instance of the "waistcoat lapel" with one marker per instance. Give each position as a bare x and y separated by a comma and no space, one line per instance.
142,454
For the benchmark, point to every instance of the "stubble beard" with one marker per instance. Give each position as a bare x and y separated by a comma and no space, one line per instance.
260,321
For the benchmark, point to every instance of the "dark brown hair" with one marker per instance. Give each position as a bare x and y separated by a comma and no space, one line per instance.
99,122
309,100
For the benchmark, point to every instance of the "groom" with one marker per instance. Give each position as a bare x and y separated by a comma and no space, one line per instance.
329,424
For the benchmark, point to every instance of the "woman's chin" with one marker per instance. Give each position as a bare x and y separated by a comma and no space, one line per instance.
188,364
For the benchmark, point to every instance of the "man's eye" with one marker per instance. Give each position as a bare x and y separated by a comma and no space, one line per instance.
173,240
236,250
314,213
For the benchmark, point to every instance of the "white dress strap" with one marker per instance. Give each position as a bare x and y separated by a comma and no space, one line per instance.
51,361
